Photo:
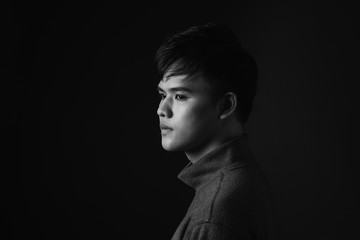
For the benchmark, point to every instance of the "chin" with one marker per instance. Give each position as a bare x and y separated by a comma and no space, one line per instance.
169,147
172,146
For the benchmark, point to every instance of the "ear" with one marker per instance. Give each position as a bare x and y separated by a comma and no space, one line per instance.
228,105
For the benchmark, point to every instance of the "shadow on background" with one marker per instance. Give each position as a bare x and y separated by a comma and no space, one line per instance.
82,156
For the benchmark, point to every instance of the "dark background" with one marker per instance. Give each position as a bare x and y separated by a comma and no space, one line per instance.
81,157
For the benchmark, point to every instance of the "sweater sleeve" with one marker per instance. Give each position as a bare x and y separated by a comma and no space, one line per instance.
209,231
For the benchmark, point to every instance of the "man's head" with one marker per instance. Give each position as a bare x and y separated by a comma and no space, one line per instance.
206,78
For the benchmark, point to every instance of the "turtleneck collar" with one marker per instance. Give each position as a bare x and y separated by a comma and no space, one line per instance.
232,153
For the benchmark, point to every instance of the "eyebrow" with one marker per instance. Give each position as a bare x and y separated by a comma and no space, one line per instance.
176,89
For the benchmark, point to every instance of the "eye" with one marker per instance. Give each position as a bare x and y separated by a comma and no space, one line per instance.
162,96
180,97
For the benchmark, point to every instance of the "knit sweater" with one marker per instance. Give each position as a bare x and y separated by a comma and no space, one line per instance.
232,197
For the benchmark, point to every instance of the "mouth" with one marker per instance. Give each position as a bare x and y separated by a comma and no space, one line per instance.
165,128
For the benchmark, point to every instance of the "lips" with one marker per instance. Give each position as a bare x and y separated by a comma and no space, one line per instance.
163,126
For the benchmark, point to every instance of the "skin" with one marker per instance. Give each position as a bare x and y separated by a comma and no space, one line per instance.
190,120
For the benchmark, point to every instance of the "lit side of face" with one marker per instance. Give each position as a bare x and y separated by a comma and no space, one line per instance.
188,116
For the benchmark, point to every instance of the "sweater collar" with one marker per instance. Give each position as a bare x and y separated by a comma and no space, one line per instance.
231,153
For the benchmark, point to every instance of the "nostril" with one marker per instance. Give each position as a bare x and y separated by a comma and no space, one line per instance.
160,112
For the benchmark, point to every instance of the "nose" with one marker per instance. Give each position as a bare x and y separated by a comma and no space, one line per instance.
164,109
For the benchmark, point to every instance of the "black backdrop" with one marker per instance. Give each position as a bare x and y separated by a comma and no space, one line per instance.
82,159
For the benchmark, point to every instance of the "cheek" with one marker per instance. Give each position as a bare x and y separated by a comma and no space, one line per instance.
196,118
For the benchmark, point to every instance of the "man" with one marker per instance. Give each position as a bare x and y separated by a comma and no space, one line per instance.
207,85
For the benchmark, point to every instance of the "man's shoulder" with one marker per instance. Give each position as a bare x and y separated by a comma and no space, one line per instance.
239,195
244,198
241,191
236,188
241,180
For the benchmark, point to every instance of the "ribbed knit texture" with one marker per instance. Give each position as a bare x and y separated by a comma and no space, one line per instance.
232,199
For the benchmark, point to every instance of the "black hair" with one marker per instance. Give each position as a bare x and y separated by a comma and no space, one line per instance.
214,50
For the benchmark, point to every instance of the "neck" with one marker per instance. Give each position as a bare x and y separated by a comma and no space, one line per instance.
224,136
195,155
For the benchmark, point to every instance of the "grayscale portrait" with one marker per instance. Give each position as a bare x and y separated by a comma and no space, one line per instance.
207,86
182,120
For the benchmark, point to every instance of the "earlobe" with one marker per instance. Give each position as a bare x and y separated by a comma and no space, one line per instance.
228,106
